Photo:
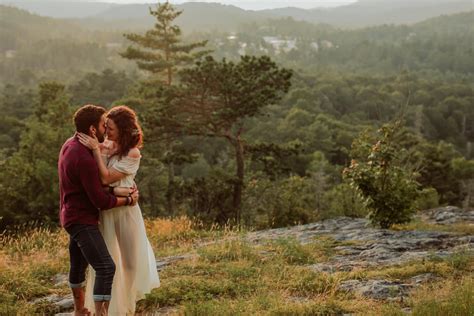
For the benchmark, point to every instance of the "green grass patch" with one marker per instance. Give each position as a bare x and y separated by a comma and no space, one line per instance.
307,283
231,250
418,224
458,302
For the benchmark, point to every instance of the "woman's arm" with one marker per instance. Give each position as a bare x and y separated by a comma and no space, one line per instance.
107,176
119,191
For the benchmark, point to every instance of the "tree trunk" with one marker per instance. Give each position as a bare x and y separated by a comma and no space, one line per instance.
151,197
171,190
237,198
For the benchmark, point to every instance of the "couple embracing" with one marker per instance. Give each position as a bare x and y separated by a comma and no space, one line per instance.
99,210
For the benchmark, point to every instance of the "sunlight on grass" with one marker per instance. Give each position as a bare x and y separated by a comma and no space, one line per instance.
229,275
417,224
454,297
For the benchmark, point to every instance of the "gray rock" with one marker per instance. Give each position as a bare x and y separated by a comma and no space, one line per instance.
447,215
65,304
62,303
423,278
161,264
374,247
60,280
376,289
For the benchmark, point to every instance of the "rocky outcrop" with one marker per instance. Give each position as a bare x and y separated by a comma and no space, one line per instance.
368,246
447,215
364,246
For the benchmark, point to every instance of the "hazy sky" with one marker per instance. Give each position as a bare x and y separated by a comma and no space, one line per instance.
257,5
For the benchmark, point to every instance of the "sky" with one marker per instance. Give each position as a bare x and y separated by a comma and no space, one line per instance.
257,5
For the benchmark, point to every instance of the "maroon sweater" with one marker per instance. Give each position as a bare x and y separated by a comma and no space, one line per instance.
81,192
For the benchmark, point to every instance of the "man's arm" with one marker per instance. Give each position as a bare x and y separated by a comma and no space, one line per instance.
89,176
121,191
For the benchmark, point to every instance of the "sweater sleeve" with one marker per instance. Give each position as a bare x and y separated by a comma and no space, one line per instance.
89,175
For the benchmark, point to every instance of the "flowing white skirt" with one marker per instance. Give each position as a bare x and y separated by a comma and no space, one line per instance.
136,274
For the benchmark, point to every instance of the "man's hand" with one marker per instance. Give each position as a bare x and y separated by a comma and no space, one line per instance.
123,191
135,196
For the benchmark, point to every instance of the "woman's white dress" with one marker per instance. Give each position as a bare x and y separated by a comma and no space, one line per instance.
124,233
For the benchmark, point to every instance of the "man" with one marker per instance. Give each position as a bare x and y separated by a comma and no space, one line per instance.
81,198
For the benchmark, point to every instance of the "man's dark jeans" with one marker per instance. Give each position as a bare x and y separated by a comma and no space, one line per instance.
87,246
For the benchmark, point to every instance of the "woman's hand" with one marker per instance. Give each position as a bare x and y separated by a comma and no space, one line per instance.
89,142
124,191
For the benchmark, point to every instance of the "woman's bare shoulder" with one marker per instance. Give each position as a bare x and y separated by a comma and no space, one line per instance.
134,153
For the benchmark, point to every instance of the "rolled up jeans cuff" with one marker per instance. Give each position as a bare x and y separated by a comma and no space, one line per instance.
77,285
100,298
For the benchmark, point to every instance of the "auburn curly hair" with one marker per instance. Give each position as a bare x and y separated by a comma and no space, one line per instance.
130,132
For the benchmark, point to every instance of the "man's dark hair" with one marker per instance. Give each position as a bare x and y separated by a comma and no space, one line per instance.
86,116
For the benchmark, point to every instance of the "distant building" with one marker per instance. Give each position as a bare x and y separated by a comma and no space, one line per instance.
232,37
315,46
327,44
280,44
242,48
411,35
10,53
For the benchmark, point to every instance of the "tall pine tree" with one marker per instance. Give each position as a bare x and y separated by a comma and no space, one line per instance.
161,52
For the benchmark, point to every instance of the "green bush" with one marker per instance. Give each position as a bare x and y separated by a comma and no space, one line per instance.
377,171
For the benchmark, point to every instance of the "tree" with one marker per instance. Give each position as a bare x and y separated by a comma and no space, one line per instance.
464,170
376,171
100,88
161,53
437,171
216,98
29,180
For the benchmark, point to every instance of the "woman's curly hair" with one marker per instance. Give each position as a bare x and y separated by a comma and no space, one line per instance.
130,133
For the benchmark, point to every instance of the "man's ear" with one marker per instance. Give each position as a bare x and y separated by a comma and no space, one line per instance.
92,130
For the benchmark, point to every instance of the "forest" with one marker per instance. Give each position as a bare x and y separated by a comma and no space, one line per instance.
306,100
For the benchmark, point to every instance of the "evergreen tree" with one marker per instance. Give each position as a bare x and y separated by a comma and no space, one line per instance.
217,98
161,52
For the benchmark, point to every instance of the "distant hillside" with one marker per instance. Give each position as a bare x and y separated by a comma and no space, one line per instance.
60,8
197,16
33,47
376,12
19,27
443,44
201,16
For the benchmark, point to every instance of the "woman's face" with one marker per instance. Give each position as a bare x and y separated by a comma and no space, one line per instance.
112,131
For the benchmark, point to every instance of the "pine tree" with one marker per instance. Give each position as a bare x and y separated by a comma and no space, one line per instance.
218,96
161,52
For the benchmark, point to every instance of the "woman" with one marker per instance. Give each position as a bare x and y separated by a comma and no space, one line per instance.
123,228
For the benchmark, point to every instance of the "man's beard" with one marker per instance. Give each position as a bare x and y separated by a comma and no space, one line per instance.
100,137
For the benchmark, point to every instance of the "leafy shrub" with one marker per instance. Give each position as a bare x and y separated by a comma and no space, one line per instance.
389,188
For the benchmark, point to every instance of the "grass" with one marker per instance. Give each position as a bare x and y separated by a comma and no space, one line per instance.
228,275
418,224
